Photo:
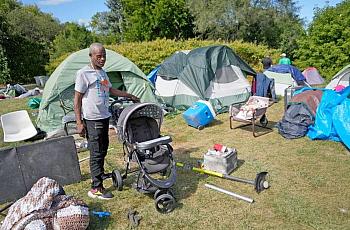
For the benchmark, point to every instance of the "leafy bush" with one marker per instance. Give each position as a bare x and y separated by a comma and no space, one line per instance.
4,70
147,55
54,63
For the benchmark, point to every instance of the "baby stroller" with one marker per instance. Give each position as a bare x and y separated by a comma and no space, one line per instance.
138,128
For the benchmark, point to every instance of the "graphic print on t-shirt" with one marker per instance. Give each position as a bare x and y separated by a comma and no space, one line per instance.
102,86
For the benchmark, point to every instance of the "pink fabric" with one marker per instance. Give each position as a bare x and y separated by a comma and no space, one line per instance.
339,88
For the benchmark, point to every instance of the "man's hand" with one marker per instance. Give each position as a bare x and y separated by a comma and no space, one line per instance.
134,98
119,93
81,129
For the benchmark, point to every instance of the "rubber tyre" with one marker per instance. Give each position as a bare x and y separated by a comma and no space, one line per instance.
158,193
117,180
161,192
165,203
264,122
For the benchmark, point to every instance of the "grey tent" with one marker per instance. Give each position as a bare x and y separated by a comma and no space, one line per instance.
341,78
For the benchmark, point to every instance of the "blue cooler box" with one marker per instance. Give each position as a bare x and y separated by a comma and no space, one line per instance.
199,114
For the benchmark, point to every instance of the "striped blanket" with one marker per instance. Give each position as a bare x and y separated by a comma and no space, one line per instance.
47,207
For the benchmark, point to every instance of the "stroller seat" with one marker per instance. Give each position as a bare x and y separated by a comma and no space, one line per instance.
141,129
159,162
144,133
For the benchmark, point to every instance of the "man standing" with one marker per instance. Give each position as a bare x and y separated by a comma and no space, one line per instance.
266,62
92,89
284,60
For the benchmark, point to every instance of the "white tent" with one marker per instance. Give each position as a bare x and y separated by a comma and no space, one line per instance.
341,78
229,84
282,81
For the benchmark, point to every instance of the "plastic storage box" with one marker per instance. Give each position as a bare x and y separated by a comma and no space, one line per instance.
199,114
221,162
288,94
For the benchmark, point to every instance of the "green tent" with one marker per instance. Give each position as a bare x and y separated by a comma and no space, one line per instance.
123,74
212,73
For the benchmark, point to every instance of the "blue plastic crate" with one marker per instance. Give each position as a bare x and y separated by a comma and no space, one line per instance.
199,114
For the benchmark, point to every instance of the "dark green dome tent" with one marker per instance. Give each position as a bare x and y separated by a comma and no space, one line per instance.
123,74
212,73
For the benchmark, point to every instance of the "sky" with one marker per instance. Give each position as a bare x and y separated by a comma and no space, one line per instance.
81,11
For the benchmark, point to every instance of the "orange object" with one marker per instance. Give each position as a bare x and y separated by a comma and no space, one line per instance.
104,82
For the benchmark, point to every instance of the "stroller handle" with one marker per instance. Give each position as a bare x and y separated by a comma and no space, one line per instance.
153,143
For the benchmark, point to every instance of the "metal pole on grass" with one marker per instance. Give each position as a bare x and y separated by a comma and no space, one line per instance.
250,200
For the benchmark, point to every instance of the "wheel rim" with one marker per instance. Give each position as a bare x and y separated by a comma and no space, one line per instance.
260,180
165,203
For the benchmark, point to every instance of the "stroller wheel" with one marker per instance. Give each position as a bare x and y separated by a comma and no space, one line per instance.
264,121
117,180
165,203
161,192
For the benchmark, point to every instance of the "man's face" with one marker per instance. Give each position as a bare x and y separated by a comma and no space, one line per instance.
98,57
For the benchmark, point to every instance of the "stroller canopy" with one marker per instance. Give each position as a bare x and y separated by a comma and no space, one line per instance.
138,110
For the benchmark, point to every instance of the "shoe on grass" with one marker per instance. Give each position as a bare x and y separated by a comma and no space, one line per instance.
100,193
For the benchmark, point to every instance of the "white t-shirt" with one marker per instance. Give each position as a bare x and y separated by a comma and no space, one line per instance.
94,84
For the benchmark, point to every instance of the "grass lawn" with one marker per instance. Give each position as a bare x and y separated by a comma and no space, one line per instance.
309,181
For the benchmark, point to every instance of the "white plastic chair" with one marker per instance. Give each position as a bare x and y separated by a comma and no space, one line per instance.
17,126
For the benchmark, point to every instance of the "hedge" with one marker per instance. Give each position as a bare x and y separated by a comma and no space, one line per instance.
147,55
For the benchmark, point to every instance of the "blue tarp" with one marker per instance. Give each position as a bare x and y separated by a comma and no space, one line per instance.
283,68
332,117
152,76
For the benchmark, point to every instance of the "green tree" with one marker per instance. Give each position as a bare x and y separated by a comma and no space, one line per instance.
115,17
107,26
4,70
270,22
4,36
100,24
172,19
327,45
8,5
25,36
72,38
216,19
101,29
151,19
32,24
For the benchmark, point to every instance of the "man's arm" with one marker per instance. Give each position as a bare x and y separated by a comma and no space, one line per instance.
119,93
77,110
